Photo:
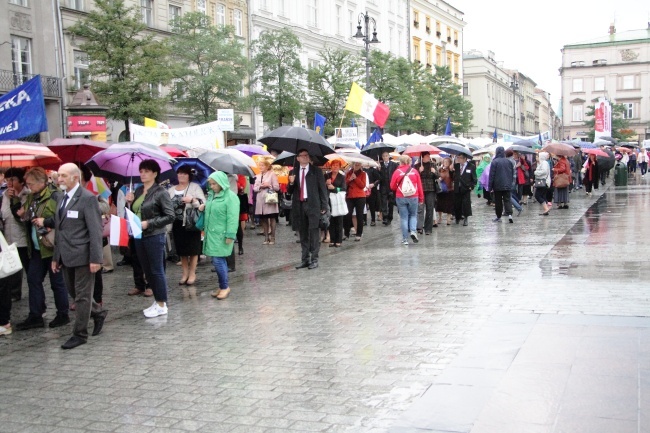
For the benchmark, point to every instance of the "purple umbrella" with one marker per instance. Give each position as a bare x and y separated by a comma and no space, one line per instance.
121,162
250,149
484,180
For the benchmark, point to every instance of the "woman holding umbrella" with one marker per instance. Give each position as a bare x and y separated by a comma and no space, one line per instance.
151,203
266,210
187,242
591,174
561,181
335,182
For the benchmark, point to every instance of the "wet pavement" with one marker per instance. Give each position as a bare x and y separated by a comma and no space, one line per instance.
537,326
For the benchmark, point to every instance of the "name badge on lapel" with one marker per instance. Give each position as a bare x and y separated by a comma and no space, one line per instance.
73,214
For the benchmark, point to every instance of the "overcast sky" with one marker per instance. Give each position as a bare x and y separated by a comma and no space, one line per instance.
528,36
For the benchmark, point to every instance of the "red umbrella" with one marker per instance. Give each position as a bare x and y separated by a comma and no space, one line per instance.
76,149
174,152
24,154
418,149
560,149
596,151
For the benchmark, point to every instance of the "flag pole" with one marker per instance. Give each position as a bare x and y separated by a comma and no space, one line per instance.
342,117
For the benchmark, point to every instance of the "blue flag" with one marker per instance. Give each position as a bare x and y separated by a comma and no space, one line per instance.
541,142
448,128
22,111
494,136
319,123
374,137
353,124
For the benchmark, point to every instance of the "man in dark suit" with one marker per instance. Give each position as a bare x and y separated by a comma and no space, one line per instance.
386,170
78,251
464,173
310,201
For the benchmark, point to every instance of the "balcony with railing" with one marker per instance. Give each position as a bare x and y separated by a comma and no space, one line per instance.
9,81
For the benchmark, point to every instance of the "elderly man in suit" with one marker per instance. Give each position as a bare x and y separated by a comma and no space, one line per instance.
464,174
78,251
310,201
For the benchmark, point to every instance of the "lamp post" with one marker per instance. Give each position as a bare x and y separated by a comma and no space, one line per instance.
367,41
514,85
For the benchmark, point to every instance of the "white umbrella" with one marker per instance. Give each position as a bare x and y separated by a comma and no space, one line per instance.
352,158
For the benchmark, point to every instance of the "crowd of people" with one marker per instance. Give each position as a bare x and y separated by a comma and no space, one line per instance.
61,230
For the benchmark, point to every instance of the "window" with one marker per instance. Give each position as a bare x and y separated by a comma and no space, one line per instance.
399,45
428,55
465,89
146,9
438,56
221,15
438,29
174,14
456,62
312,64
338,19
577,85
21,58
456,38
628,112
416,19
155,89
263,5
599,84
353,22
391,32
427,20
628,82
312,13
81,75
416,49
281,8
238,22
448,34
201,6
577,113
19,2
75,4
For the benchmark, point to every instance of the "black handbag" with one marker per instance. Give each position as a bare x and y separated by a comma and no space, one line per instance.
286,203
192,216
540,183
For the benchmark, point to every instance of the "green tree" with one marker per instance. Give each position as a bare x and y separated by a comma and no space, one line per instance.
126,64
278,76
207,65
448,102
329,85
620,125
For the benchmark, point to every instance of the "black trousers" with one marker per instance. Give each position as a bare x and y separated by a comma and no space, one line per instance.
336,229
309,238
501,199
462,204
425,211
359,204
387,203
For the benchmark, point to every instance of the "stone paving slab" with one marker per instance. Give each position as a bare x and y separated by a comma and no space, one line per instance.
348,347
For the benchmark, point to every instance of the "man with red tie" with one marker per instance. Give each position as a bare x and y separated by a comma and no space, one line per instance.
309,194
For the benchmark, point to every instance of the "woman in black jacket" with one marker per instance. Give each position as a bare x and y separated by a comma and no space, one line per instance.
151,203
335,182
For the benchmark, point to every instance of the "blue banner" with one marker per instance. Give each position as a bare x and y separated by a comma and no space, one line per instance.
22,111
448,127
319,123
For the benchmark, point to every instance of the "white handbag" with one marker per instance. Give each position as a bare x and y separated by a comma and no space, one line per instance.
339,206
9,259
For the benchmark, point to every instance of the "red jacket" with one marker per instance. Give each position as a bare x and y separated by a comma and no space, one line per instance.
415,179
356,187
522,171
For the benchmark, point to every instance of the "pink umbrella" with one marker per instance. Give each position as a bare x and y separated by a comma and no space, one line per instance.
76,149
418,149
597,152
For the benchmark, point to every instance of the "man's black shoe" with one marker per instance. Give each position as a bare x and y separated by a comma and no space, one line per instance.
106,271
457,220
73,342
464,221
123,263
312,265
30,323
99,322
303,265
60,320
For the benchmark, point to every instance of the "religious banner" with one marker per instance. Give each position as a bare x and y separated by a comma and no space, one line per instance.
22,111
207,136
603,119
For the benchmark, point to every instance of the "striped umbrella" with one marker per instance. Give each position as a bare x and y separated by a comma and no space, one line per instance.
24,154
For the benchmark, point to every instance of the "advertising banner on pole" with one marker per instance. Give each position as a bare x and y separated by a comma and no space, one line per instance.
603,119
22,111
207,136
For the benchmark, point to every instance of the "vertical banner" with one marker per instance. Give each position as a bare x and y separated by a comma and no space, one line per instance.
22,111
603,119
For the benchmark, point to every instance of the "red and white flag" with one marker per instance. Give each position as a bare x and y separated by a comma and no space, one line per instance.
119,232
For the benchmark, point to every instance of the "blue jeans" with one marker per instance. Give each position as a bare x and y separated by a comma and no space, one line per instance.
514,198
36,271
407,207
221,268
151,254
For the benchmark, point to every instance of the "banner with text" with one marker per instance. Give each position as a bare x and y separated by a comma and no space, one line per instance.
22,111
603,119
207,136
509,138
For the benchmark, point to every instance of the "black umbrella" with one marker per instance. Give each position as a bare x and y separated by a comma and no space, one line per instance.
375,150
606,163
288,159
454,149
527,143
522,149
294,138
628,145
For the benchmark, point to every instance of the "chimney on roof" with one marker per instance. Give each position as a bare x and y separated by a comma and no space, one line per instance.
612,29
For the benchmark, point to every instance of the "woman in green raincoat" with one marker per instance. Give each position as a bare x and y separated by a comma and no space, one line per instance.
485,161
221,218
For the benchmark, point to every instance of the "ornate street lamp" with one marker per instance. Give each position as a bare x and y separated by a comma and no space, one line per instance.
367,41
514,85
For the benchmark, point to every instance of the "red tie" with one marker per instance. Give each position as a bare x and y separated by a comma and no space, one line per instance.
302,185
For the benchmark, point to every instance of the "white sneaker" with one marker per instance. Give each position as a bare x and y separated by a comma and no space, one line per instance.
414,236
405,242
151,307
156,311
5,330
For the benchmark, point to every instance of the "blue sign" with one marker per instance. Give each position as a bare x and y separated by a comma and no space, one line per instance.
22,111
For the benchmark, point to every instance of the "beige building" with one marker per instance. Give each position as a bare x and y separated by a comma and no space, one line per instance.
436,36
615,66
28,47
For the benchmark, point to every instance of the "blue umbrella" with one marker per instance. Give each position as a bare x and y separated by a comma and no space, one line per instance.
200,170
